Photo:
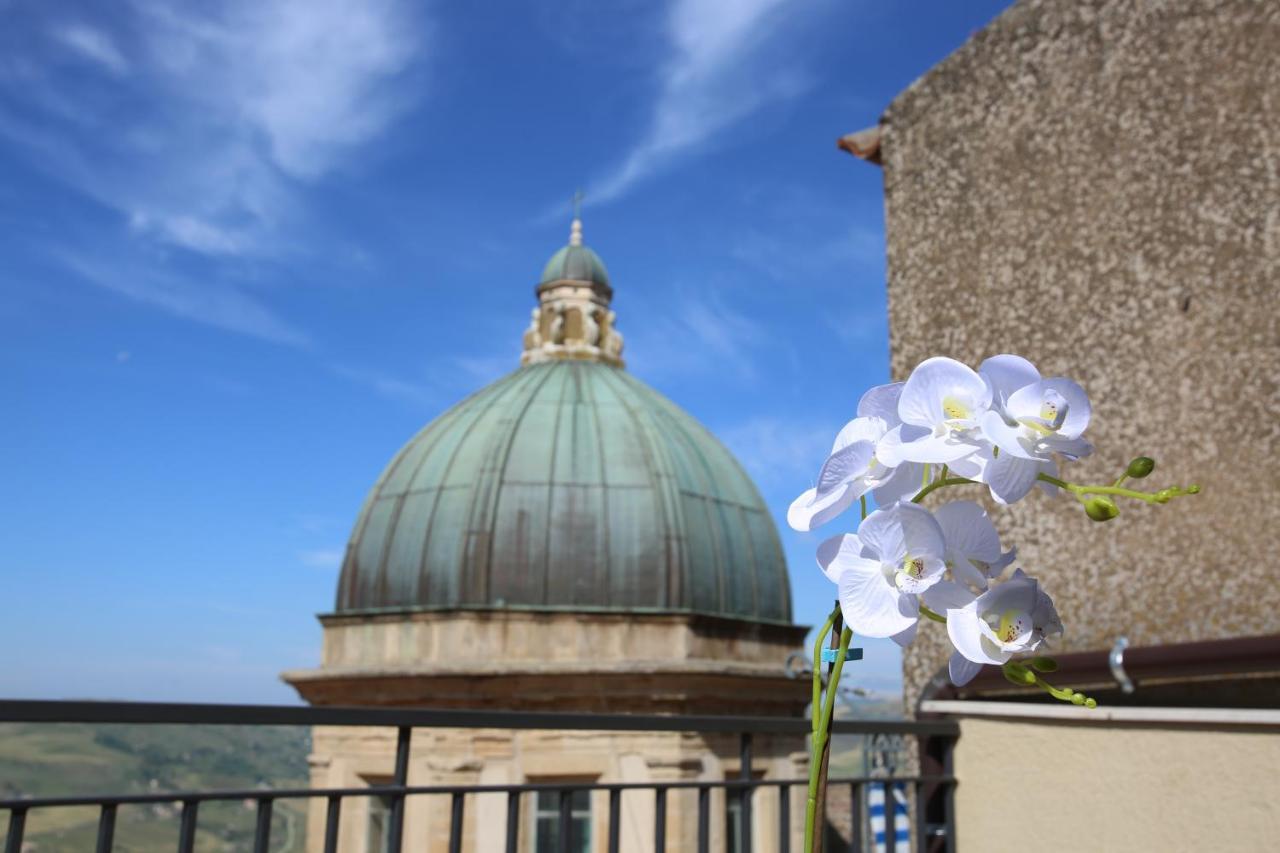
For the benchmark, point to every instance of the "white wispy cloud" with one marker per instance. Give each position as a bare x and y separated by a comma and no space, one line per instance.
234,108
695,333
94,45
328,559
780,452
716,74
412,391
209,133
223,307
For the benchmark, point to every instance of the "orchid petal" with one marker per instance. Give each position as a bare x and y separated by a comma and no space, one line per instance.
870,605
968,531
860,429
811,510
932,449
907,637
1011,478
971,466
881,402
843,553
1007,373
947,595
881,535
1078,408
964,627
1010,439
935,381
845,465
903,482
961,670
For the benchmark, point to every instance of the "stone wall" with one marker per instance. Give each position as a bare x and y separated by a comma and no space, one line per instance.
1096,185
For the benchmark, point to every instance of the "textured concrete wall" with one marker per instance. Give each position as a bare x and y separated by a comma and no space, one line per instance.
1087,787
1096,185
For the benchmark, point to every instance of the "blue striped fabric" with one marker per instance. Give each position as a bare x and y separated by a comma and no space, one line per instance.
876,815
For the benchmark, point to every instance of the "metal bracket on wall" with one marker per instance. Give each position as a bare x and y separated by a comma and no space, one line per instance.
1116,661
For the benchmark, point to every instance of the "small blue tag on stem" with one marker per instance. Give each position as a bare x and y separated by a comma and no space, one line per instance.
829,655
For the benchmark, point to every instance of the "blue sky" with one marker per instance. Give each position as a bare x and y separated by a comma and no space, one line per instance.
248,248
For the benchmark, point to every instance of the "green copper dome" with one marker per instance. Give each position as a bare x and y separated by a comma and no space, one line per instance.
566,485
577,263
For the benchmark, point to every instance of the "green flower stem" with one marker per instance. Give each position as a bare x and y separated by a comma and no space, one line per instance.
929,614
863,501
938,484
1081,491
817,665
820,738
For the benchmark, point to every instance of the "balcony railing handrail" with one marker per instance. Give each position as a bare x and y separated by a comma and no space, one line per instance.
934,812
73,711
415,790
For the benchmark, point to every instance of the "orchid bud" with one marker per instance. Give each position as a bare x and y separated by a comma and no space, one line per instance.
1101,508
1043,664
1018,674
1140,467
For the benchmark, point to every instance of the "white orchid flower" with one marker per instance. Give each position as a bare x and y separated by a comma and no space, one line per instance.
896,554
1008,477
1011,618
972,545
852,470
1005,374
941,407
1030,426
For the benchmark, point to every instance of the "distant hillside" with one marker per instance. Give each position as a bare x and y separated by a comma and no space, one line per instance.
848,751
69,759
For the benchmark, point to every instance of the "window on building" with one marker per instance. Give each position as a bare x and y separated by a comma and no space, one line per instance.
733,828
546,822
378,838
733,822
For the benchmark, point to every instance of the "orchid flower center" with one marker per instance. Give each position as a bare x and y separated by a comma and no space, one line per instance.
1053,412
1010,625
954,409
911,568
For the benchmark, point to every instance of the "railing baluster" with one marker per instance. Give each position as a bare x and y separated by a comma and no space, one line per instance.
17,823
187,827
744,754
395,832
615,820
949,794
455,821
704,819
922,839
106,828
566,820
513,821
856,818
262,832
660,820
332,815
784,818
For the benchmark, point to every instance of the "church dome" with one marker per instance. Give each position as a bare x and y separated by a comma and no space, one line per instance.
575,263
568,485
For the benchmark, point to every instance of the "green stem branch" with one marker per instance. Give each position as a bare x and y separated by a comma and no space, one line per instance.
929,614
820,736
938,484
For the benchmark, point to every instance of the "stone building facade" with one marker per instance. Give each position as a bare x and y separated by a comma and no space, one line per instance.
1096,185
565,539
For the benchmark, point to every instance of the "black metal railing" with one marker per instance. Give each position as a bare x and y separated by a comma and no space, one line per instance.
934,818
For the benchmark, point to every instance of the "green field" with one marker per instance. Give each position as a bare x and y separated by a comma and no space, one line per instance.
72,759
